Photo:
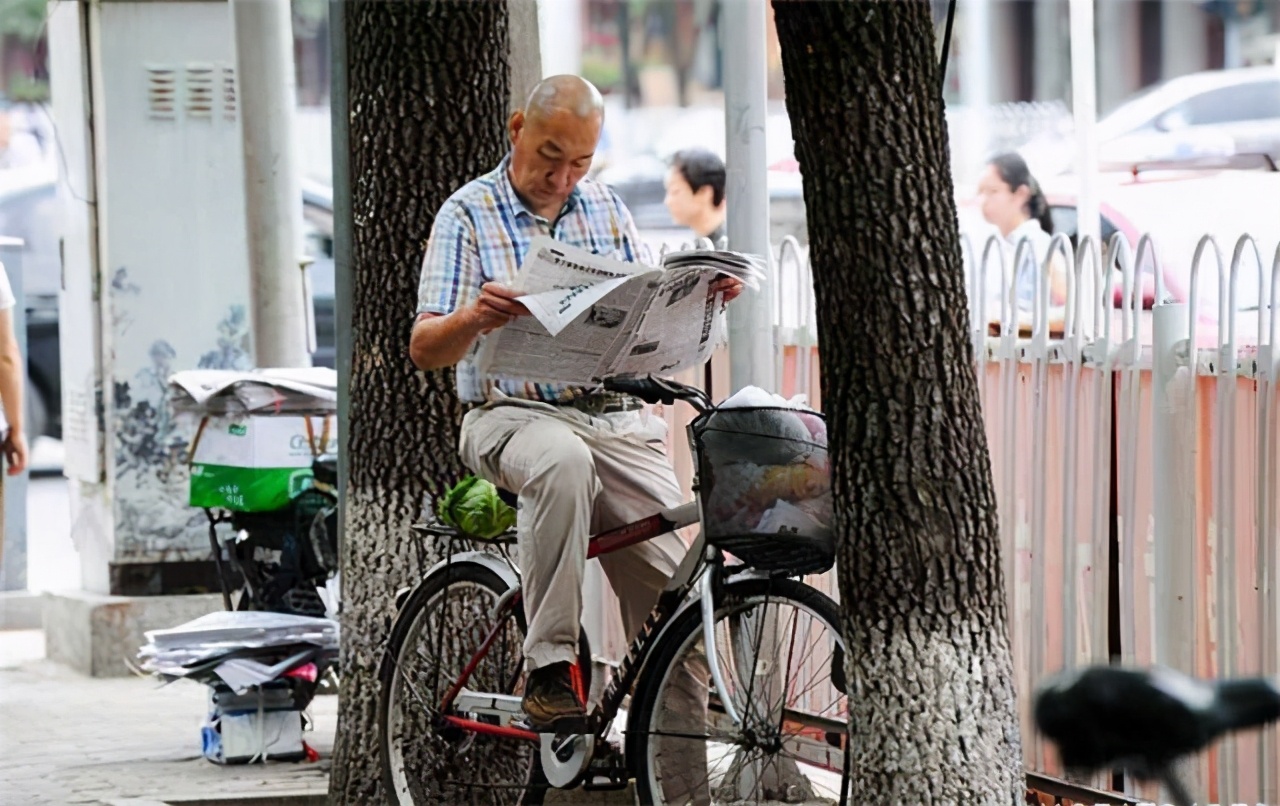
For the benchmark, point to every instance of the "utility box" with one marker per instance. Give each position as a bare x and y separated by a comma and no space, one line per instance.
155,267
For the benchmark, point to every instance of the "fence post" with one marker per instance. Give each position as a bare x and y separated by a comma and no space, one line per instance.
13,497
1268,531
1173,492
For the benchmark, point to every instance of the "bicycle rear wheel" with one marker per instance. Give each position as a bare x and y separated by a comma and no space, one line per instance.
439,628
782,655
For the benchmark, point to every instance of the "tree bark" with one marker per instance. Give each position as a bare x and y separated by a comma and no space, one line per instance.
933,717
428,93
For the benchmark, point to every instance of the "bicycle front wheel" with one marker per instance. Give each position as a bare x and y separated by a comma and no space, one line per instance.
782,656
425,763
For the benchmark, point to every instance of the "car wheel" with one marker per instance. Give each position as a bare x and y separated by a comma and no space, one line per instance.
37,413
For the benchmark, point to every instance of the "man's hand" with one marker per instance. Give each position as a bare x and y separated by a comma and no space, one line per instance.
15,452
442,340
497,306
731,287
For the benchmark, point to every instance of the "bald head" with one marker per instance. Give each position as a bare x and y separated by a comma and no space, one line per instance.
565,93
553,140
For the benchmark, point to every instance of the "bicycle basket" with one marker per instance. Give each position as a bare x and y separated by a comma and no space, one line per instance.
766,487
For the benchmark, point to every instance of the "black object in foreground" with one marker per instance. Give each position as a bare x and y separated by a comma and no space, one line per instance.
1144,720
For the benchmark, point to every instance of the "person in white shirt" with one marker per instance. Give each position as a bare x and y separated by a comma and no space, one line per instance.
695,193
1013,202
22,137
13,447
12,377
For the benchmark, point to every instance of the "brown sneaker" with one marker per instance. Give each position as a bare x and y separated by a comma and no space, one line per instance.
553,698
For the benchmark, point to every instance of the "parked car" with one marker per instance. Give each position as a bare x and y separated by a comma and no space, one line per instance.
1212,113
28,210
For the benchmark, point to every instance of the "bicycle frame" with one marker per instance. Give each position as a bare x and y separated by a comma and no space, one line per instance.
606,542
669,602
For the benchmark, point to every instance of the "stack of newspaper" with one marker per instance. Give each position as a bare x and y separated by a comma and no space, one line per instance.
595,316
305,390
241,648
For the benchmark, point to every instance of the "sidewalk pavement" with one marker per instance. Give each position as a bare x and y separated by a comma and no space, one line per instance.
69,739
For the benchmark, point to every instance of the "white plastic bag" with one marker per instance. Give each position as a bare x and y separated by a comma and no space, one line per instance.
750,397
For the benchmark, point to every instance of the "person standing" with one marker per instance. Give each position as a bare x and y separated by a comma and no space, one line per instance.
13,440
695,193
1014,204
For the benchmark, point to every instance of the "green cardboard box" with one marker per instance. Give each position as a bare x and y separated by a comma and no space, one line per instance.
257,464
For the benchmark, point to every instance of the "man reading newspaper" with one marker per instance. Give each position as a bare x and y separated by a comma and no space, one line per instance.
595,317
580,459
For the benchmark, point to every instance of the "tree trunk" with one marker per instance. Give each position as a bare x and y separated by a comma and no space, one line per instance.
428,93
933,716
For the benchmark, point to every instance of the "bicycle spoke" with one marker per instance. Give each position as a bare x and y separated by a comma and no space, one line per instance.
699,737
783,751
430,659
754,656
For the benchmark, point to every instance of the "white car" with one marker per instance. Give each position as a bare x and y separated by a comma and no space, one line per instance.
1213,113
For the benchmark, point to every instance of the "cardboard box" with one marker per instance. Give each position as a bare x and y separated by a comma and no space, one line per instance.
266,735
257,464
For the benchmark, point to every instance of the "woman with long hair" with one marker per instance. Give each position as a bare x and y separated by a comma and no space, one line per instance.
1013,202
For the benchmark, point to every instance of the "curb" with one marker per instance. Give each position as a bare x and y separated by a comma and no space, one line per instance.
279,799
21,610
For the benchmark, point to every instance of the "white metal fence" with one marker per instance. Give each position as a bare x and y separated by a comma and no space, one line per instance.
1134,453
1122,446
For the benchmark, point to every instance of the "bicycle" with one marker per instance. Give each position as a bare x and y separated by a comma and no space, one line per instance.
1144,722
757,653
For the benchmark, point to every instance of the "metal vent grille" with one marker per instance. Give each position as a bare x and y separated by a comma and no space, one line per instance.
200,91
162,92
229,93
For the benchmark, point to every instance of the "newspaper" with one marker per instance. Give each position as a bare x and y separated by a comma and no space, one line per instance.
276,391
595,316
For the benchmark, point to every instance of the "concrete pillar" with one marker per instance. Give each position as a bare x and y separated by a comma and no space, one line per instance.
1052,68
976,38
1186,49
273,198
1004,36
1119,52
560,22
751,347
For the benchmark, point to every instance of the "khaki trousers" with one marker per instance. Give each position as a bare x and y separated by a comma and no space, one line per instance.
576,475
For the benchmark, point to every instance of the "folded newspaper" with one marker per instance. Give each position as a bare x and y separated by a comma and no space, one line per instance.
595,316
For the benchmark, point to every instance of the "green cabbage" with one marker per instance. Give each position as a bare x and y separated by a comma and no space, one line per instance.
472,506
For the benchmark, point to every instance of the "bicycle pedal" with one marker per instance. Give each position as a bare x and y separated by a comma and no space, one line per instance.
607,771
606,780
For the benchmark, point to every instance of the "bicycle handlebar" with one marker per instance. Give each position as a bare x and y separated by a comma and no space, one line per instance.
657,390
1144,720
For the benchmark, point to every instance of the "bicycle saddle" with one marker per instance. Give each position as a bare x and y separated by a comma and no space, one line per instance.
1142,720
507,497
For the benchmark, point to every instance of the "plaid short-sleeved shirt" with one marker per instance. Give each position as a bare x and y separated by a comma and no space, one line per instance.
482,234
